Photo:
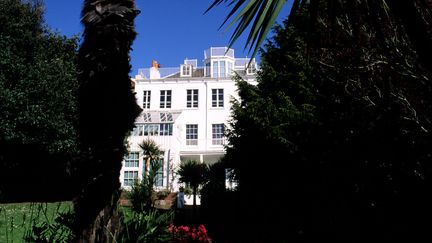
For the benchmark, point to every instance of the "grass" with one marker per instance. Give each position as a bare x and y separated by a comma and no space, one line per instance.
17,218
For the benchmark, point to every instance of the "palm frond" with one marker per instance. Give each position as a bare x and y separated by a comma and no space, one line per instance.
259,14
151,148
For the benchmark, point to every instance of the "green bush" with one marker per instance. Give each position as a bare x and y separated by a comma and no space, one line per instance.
145,226
58,231
141,194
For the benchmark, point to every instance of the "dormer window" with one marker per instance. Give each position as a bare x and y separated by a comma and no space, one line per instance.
250,69
186,70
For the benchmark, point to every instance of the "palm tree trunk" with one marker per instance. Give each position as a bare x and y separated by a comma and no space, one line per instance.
147,168
194,208
107,111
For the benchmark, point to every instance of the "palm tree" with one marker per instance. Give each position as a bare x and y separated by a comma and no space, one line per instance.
194,174
142,191
107,110
151,151
264,12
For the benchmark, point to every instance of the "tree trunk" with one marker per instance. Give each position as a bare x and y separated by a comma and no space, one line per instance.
107,110
194,207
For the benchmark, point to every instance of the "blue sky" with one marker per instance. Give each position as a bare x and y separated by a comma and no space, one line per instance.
168,30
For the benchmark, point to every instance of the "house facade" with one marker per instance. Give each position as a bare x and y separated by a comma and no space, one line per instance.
186,110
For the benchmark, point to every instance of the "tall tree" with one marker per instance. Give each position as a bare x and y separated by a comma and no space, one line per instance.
340,121
38,84
107,111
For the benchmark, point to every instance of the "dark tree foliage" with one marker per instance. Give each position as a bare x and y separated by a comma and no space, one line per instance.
194,174
38,82
107,110
340,125
218,205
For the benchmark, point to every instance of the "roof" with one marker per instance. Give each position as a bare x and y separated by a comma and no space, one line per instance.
198,72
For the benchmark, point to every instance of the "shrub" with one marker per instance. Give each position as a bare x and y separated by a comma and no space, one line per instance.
142,192
146,226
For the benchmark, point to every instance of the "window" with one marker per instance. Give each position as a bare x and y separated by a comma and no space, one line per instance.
215,69
251,69
132,160
222,69
159,174
130,177
151,129
219,69
147,117
138,130
230,68
186,70
160,129
192,98
165,129
192,134
207,69
165,99
218,133
146,99
166,117
217,98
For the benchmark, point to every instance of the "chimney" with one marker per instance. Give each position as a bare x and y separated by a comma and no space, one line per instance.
154,70
155,64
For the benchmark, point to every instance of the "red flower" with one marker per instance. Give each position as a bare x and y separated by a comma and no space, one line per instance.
189,234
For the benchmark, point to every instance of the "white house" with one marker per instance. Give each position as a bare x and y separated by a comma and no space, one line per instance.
185,111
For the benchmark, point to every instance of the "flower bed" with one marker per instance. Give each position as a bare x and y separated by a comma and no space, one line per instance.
183,234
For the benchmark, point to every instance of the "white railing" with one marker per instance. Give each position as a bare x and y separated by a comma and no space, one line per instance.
218,52
164,72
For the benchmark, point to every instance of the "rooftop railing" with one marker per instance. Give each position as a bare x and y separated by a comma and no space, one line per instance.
164,72
218,52
242,61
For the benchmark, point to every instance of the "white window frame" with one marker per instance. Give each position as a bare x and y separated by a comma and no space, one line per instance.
165,99
230,68
222,69
165,117
151,129
217,98
159,178
146,99
147,117
215,66
138,130
186,70
208,69
129,177
192,134
218,133
131,160
192,98
219,68
165,129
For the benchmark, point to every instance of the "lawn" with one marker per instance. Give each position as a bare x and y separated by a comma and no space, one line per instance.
17,218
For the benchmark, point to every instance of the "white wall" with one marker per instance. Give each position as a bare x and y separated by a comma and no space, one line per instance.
204,116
